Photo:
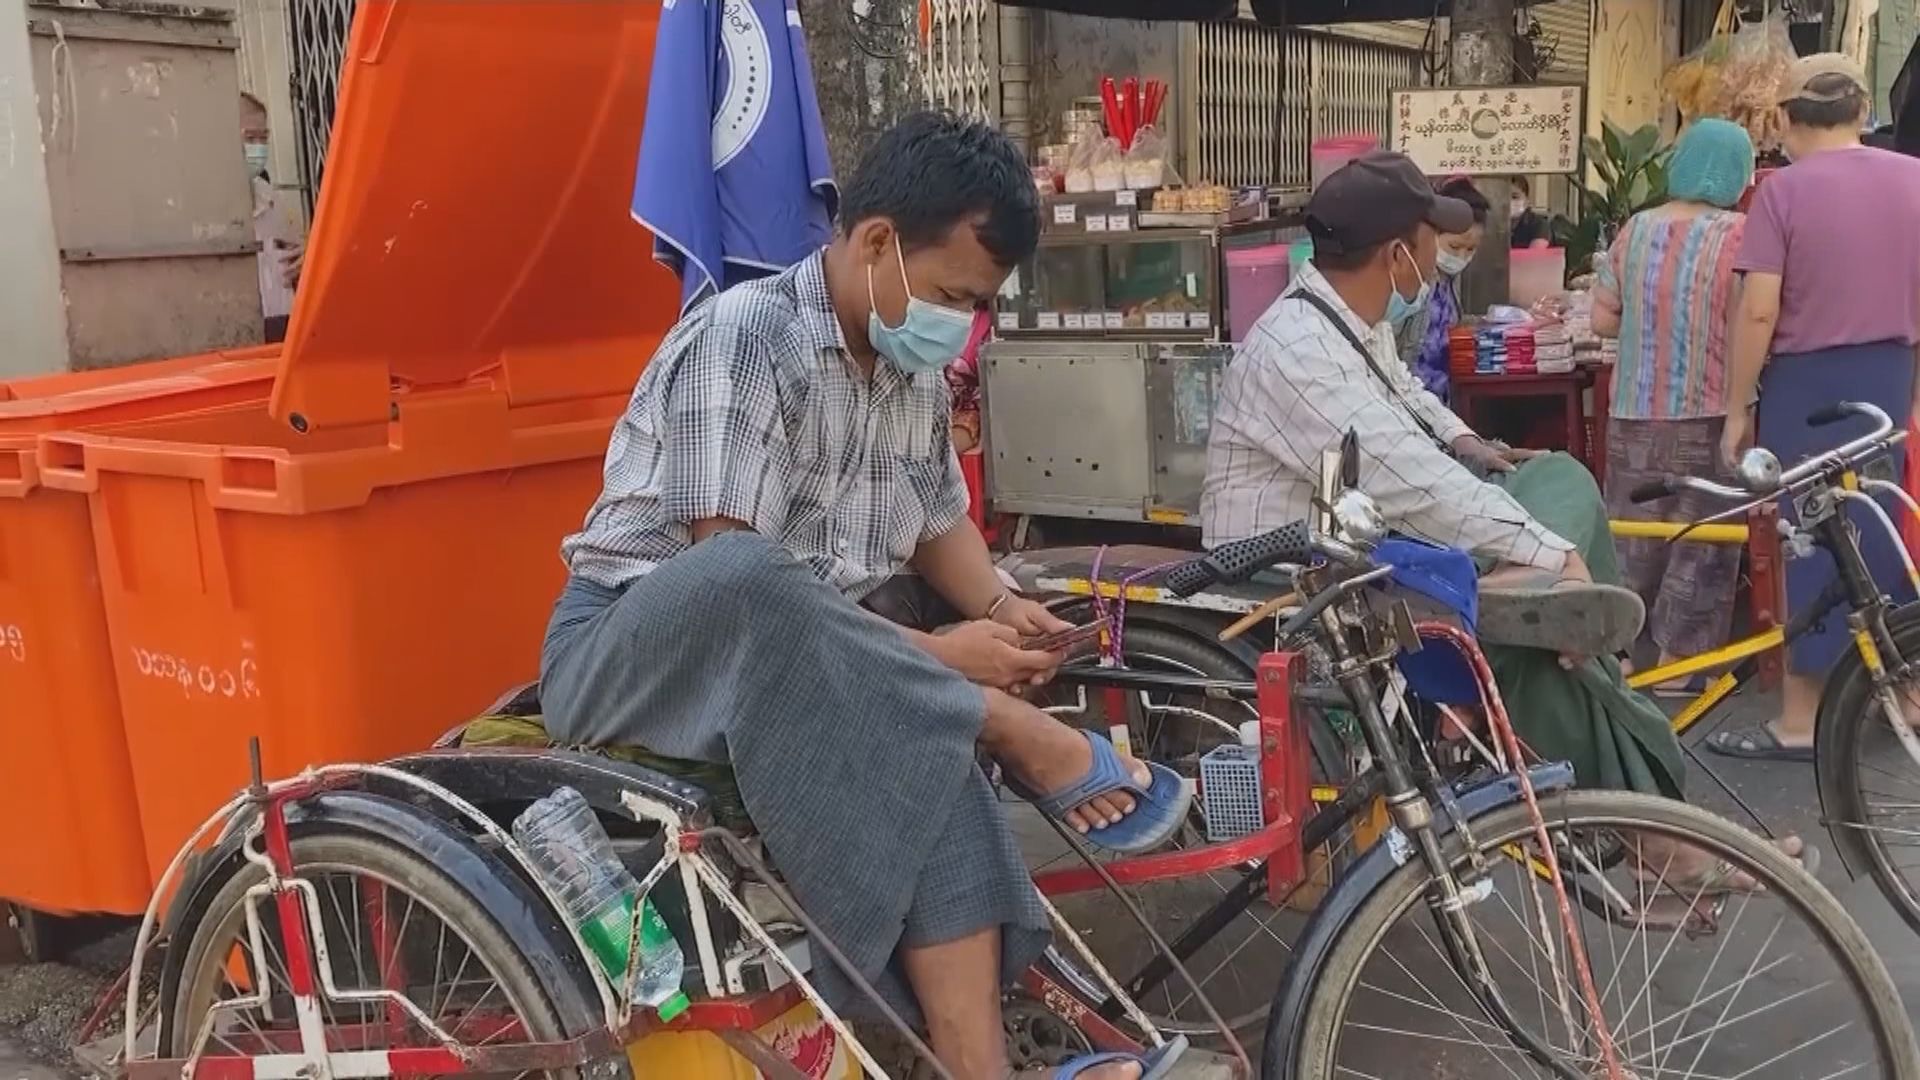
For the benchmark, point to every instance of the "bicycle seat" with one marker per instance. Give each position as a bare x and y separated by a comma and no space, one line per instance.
514,723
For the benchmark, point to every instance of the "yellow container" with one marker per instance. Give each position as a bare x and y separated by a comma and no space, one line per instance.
807,1042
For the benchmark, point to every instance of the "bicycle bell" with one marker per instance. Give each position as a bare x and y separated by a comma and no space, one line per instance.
1758,471
1357,518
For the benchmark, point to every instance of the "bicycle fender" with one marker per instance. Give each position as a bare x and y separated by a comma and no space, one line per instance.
1342,903
524,774
1827,712
527,919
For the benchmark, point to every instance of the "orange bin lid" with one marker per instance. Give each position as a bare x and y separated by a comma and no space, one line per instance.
475,218
89,399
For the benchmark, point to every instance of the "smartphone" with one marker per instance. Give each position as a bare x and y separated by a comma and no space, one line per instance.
1066,639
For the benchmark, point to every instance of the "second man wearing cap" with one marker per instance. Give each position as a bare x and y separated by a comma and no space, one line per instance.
1321,363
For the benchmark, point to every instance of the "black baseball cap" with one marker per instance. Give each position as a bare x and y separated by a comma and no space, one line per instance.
1378,196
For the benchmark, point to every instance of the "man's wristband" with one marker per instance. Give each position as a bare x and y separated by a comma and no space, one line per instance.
998,602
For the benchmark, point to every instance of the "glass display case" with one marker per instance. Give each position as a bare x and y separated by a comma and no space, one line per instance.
1137,283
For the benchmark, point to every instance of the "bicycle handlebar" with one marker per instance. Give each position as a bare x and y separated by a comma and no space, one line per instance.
1874,440
1242,559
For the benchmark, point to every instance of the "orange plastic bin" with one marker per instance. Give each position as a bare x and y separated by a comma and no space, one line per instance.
372,558
70,837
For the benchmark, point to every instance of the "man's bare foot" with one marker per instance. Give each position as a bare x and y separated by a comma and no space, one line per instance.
1683,869
1047,755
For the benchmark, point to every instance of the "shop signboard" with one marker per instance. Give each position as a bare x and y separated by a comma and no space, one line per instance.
1489,130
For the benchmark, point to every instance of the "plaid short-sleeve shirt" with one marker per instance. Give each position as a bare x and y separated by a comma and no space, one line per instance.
753,409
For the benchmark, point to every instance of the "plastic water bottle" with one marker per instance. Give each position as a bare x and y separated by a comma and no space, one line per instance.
571,851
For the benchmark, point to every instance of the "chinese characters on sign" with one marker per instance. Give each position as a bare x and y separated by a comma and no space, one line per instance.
1489,130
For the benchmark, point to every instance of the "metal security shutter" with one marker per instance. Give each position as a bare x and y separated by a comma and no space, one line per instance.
1566,28
1265,94
318,29
961,56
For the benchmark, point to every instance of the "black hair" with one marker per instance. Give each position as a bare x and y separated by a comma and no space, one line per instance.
1343,262
1845,111
934,170
1462,188
1524,186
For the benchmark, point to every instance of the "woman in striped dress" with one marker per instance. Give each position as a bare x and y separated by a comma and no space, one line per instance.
1667,290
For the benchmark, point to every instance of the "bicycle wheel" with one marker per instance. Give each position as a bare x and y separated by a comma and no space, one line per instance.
1869,784
1779,984
393,921
1236,965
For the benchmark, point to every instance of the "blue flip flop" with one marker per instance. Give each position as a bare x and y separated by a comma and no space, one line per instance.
1154,1064
1159,810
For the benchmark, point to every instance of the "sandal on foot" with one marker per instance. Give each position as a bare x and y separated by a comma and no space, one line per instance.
1721,879
1154,1064
1676,903
1757,743
1159,808
1575,618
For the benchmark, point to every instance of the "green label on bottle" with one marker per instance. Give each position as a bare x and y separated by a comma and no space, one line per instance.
606,936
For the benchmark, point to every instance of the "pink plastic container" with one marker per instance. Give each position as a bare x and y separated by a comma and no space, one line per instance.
1328,154
1535,272
1256,276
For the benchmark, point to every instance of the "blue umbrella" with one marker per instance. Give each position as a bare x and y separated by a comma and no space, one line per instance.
734,180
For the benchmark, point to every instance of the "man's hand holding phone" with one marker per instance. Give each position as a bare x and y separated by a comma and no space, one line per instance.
993,655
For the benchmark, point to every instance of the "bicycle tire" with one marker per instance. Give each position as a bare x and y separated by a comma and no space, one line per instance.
521,978
1846,708
1341,971
1194,648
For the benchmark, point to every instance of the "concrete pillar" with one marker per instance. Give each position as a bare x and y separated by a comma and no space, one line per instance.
32,308
1480,50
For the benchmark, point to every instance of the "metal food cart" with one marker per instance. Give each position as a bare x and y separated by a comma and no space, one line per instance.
1099,390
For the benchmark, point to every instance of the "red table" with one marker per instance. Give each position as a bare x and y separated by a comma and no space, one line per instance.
1588,443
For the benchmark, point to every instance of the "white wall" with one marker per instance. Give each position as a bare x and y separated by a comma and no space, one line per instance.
33,318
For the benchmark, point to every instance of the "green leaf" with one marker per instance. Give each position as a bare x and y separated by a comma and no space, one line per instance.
1611,142
1656,182
1640,145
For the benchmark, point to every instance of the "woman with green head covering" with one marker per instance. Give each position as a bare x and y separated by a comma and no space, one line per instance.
1667,290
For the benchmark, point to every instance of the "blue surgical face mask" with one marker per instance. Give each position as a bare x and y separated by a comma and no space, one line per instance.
256,153
928,339
1399,308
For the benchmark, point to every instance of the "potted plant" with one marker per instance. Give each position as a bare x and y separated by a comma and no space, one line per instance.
1632,167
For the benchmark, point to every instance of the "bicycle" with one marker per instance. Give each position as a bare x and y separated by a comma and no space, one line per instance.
272,923
1874,680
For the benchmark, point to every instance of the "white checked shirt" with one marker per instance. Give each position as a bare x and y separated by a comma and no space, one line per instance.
1296,387
753,409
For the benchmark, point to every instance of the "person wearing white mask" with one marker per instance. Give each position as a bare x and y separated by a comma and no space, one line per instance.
1422,339
278,235
1525,225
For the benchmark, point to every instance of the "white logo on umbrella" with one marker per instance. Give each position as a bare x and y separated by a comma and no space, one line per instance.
743,108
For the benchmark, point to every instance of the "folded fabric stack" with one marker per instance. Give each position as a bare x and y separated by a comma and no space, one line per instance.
1462,353
1520,350
1553,348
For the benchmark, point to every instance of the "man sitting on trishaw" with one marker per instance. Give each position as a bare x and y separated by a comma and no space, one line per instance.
785,457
